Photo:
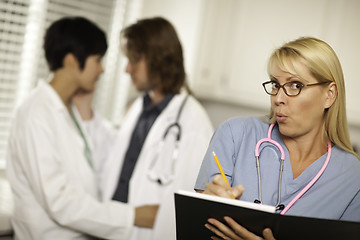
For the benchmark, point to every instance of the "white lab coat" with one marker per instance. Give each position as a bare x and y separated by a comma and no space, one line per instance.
196,133
55,190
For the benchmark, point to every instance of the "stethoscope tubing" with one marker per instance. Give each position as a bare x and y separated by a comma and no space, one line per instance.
282,158
175,153
268,139
312,182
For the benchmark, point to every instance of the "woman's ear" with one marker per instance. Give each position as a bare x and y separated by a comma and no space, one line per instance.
331,95
70,61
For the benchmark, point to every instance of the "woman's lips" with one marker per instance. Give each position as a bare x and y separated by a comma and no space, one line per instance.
280,117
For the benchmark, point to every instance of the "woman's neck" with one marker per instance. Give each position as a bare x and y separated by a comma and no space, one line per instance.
304,151
64,86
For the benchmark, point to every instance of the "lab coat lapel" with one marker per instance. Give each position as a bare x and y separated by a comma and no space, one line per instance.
167,117
148,152
116,157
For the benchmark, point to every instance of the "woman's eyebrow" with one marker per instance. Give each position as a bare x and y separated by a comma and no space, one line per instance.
292,78
273,78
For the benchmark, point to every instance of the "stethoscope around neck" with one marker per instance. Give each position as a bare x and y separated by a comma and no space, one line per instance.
165,177
279,206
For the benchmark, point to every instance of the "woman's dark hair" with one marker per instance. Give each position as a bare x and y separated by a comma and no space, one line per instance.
75,35
157,41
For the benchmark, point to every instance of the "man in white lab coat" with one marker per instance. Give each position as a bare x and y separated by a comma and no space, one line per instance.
50,165
165,133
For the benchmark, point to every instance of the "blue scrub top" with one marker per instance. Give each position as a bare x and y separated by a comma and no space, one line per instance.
335,195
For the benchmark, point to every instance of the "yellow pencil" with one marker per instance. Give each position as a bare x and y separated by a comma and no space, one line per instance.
220,168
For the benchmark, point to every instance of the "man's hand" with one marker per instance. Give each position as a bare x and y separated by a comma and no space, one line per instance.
145,216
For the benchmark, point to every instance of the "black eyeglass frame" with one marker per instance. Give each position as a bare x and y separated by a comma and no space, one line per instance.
297,82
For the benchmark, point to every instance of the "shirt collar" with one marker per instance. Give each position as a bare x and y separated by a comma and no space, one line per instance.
158,107
52,94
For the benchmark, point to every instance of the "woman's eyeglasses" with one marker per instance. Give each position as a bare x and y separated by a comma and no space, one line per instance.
290,88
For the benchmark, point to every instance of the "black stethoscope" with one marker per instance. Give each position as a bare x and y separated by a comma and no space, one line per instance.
282,158
165,177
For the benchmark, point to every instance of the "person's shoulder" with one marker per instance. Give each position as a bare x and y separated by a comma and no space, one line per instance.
244,126
339,152
345,160
192,107
31,103
192,104
249,123
38,104
236,129
194,110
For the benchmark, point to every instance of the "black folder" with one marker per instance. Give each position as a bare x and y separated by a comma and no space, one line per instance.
193,209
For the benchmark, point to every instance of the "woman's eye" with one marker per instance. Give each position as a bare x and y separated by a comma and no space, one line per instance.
275,85
296,85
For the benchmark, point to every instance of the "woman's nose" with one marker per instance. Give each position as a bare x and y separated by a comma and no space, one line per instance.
280,97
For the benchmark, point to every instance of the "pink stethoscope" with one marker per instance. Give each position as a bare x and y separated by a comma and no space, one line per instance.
282,158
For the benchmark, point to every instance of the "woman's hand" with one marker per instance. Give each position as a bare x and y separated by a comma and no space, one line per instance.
236,232
219,187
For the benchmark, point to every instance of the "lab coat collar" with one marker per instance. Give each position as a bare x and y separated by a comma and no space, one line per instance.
54,97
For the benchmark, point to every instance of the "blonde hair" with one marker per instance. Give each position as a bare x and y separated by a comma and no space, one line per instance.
324,65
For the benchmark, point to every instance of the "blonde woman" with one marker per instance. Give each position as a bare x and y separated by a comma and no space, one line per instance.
321,172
